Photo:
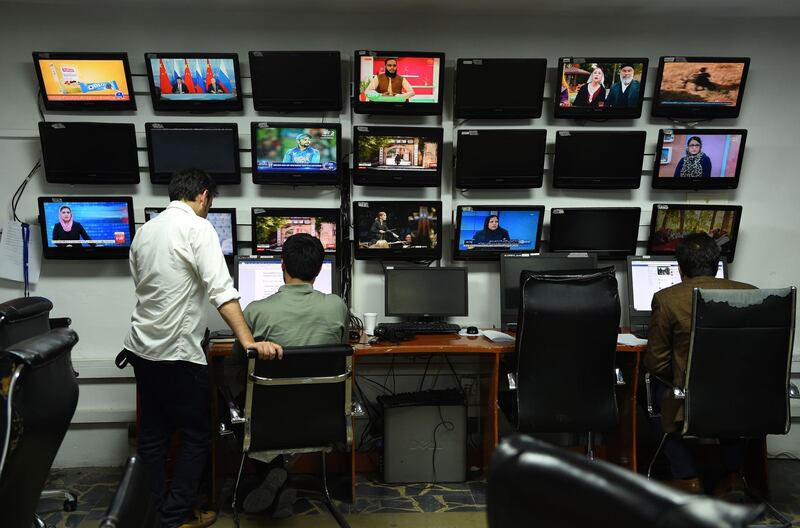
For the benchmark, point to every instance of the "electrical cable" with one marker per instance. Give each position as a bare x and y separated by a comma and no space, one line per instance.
15,198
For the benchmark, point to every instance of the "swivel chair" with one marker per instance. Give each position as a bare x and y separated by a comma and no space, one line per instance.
131,506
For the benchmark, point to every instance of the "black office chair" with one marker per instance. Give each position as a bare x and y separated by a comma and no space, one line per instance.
737,378
566,345
312,385
43,394
530,480
131,506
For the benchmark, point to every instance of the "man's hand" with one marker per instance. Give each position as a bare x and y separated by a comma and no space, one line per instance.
266,350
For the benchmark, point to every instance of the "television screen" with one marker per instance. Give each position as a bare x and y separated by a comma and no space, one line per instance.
398,230
608,231
477,82
600,88
699,159
482,163
397,156
286,81
194,81
394,82
272,226
95,227
598,160
671,222
213,147
259,276
84,81
223,220
483,232
700,87
296,153
97,153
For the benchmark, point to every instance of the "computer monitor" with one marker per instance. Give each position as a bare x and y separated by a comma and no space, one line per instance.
598,160
408,230
600,87
397,156
296,81
271,226
648,274
204,82
483,91
669,223
296,153
483,232
513,264
426,292
259,276
610,232
698,158
482,161
223,220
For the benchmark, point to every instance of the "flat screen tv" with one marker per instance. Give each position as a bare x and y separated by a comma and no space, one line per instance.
296,81
609,232
669,223
598,160
92,153
482,161
700,87
397,156
272,226
296,153
398,230
223,220
84,81
600,87
203,82
483,232
699,158
212,147
86,227
398,82
499,88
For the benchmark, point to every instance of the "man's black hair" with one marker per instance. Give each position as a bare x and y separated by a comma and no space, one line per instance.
302,256
186,184
698,255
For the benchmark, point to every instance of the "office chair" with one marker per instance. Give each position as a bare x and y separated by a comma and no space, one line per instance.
528,479
42,396
737,378
131,506
312,384
566,345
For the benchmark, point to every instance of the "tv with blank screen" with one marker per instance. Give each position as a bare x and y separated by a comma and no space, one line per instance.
598,160
609,232
483,90
482,163
296,81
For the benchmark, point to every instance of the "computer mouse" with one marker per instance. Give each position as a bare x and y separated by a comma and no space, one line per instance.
473,330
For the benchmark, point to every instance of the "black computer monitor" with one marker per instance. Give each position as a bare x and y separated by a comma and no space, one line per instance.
223,220
598,160
482,160
259,276
669,223
426,292
483,89
610,232
512,265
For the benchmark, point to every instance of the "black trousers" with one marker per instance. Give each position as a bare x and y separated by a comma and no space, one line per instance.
173,396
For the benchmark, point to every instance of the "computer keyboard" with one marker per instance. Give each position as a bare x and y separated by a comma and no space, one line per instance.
425,327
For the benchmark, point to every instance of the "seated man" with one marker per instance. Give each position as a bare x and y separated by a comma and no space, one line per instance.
297,315
667,356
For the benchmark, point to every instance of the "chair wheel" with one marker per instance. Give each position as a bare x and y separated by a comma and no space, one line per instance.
70,505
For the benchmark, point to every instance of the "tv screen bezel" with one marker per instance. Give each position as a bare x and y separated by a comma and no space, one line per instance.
459,254
407,178
601,254
230,210
708,207
534,182
398,254
699,183
389,313
295,211
461,111
296,105
561,181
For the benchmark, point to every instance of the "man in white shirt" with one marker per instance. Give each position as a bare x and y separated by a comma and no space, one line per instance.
177,266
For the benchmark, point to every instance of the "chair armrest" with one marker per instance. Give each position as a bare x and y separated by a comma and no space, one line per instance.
236,415
60,322
677,393
794,392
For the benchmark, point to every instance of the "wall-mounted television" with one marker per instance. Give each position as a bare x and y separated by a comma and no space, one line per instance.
204,82
598,160
700,87
84,81
223,220
609,232
699,158
296,81
296,153
93,153
398,82
482,163
482,89
669,223
483,232
398,230
272,226
397,156
86,227
600,87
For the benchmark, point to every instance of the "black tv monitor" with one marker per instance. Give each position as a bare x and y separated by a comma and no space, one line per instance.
600,87
609,232
296,81
84,81
669,223
406,230
483,232
598,160
206,82
398,82
482,161
224,222
257,277
483,89
699,158
513,264
700,87
95,153
272,226
426,292
397,156
213,147
86,227
296,153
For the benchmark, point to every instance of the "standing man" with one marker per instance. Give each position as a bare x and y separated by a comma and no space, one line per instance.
389,83
303,153
625,93
177,266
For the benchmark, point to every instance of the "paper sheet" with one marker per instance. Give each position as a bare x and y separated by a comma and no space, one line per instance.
11,253
630,340
497,336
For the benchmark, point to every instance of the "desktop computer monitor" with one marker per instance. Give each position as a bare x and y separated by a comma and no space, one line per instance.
513,264
426,292
259,276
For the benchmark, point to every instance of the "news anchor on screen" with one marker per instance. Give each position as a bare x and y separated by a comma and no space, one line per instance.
491,231
695,163
67,230
389,83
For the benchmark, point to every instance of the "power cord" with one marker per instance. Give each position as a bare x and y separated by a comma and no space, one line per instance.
449,426
18,193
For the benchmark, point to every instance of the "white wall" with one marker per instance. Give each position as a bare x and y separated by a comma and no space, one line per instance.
99,295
